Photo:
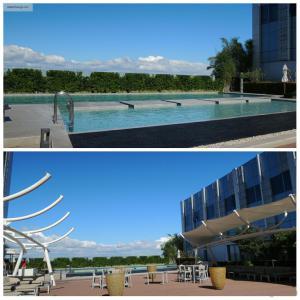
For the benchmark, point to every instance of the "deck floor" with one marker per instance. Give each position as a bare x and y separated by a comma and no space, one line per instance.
23,123
82,287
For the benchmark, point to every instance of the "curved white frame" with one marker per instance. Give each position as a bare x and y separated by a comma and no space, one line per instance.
12,239
49,226
28,189
9,220
15,236
52,242
10,229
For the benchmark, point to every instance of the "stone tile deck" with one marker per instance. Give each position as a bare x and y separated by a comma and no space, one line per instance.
82,287
23,123
99,106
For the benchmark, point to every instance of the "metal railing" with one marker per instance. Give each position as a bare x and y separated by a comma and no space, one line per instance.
69,106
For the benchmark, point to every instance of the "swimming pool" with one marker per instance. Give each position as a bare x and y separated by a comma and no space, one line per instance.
77,272
43,99
86,121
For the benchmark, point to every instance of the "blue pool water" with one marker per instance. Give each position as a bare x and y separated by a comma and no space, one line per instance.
120,119
134,269
39,99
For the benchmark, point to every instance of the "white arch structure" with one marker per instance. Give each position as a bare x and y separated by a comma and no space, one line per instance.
17,237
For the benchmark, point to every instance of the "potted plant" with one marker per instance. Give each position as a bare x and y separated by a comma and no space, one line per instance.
217,276
115,283
151,268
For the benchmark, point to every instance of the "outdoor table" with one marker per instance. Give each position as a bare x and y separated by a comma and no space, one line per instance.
164,276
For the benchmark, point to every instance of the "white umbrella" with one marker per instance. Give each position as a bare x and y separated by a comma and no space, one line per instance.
285,77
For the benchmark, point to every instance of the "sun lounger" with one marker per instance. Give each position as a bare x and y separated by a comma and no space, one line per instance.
32,289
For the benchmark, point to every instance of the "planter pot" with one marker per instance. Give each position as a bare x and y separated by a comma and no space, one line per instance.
120,268
218,277
115,283
152,268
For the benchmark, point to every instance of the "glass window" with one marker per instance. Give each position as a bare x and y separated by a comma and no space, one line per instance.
198,209
293,10
229,204
210,211
253,195
281,183
269,13
211,201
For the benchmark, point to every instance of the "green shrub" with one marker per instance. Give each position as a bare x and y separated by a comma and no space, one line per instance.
272,88
31,81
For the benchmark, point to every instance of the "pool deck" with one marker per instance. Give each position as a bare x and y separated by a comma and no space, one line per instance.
23,123
99,106
149,104
82,287
283,139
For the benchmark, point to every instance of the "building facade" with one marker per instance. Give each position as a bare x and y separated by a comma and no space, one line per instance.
274,39
7,170
268,177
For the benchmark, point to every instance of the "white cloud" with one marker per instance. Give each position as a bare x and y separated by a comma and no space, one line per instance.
70,247
23,57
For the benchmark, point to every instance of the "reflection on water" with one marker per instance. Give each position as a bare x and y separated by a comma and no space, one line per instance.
114,119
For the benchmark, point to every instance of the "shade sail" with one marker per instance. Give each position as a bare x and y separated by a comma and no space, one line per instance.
213,228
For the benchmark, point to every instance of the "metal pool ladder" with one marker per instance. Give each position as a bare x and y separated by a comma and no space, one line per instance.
69,106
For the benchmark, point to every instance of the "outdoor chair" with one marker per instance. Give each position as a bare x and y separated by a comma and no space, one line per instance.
185,273
99,280
200,273
262,274
251,273
9,283
128,277
43,283
11,293
28,289
96,280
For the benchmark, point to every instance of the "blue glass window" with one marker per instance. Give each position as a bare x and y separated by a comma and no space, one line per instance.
253,195
210,211
281,183
229,204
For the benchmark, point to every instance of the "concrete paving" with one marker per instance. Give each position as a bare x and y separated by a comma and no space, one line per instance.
283,139
99,106
23,123
149,104
210,101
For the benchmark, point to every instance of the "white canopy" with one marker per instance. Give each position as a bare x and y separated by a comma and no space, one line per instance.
210,229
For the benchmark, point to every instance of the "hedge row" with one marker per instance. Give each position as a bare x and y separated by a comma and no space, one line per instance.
32,81
272,88
80,262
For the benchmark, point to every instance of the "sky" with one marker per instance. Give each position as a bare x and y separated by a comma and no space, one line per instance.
151,38
121,203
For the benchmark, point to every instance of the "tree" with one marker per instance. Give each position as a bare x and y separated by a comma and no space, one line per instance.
24,81
231,61
280,246
171,247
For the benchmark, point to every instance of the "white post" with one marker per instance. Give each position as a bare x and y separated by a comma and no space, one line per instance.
46,253
17,266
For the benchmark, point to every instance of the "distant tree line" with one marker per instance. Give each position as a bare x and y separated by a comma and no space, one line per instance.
33,81
81,262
